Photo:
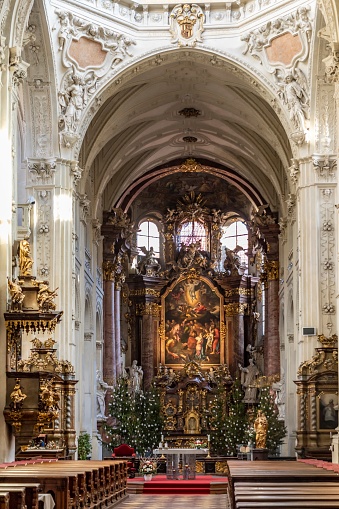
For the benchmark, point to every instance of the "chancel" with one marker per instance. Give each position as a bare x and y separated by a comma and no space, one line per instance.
169,248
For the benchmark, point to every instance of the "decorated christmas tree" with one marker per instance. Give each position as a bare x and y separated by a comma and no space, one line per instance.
218,422
237,421
134,418
276,429
148,421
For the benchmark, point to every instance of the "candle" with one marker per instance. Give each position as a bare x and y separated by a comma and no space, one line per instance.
162,438
208,437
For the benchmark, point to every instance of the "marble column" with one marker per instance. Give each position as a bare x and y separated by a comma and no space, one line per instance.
109,360
272,341
117,317
150,313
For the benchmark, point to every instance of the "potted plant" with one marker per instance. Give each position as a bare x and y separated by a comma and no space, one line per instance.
84,446
148,468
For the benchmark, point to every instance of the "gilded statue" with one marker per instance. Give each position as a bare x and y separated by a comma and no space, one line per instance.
261,428
46,296
17,396
15,290
48,395
25,260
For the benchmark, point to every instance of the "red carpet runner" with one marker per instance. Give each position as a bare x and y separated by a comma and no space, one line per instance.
202,485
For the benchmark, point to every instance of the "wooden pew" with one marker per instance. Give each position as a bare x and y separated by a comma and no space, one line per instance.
280,484
32,492
4,500
17,497
74,484
63,486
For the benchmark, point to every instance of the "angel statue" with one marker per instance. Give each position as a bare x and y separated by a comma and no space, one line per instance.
15,290
46,296
72,102
149,264
232,261
294,95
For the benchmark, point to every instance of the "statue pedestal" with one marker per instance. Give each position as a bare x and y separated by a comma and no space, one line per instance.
260,454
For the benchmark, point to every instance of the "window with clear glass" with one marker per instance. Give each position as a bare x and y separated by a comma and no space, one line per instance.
191,232
233,235
148,236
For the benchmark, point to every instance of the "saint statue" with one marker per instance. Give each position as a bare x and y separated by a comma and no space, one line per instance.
136,375
101,388
17,396
249,375
261,427
25,260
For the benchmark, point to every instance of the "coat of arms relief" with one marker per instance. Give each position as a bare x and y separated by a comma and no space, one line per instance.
187,24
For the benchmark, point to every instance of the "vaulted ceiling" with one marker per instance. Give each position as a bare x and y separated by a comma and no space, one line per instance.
142,127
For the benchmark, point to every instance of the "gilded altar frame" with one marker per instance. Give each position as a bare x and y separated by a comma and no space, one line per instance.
192,322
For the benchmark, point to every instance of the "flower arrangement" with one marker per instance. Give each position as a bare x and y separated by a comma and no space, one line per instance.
148,466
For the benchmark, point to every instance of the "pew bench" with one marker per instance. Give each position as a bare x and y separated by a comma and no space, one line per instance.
281,484
17,497
4,500
31,495
73,484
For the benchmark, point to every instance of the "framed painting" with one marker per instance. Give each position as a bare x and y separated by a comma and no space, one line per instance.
327,411
192,323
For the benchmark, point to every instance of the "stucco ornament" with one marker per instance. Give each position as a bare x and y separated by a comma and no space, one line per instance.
187,24
90,52
293,91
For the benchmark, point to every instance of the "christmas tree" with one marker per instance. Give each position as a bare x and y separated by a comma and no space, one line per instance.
276,429
134,418
217,421
237,421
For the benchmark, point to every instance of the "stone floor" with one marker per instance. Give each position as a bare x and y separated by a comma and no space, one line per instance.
174,502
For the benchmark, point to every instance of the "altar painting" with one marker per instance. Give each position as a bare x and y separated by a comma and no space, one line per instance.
192,323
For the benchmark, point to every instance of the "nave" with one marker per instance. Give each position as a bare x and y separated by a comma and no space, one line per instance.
174,502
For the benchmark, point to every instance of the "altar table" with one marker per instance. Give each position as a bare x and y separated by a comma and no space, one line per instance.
172,461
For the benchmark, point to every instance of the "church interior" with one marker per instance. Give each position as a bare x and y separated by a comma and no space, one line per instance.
168,239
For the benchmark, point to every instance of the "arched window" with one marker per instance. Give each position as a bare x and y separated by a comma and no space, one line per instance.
191,232
148,236
235,234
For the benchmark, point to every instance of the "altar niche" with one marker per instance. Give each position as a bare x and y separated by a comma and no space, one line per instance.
192,314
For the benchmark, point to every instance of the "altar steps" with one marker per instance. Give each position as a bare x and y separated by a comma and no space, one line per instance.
202,485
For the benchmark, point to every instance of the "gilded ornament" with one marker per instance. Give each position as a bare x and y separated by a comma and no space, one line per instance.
328,342
199,467
272,270
144,291
235,308
221,467
151,309
191,166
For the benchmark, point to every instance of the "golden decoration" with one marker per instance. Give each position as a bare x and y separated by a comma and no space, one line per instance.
151,309
247,292
235,308
162,331
221,467
17,396
25,260
38,325
266,381
191,166
199,467
272,269
328,342
310,366
141,292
